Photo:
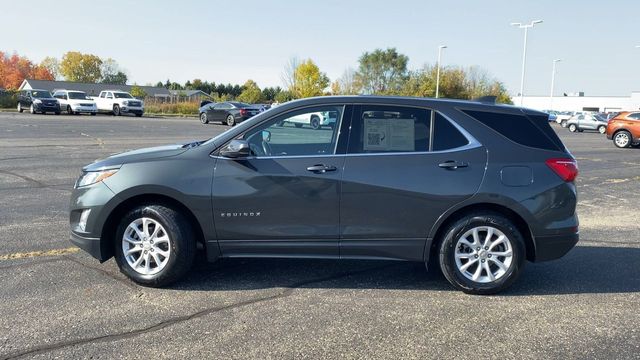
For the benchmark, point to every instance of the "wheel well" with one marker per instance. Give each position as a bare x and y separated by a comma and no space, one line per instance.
518,221
111,224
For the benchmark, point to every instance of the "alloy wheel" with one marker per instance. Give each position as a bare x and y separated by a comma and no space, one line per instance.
622,139
483,254
146,246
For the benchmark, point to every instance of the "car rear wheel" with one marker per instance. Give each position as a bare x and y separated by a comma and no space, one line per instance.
20,109
482,253
69,110
622,139
116,110
231,121
203,118
573,128
602,129
154,245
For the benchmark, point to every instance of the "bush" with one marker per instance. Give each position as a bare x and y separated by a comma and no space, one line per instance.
180,108
8,99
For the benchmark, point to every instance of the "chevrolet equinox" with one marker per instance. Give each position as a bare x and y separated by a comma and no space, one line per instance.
473,187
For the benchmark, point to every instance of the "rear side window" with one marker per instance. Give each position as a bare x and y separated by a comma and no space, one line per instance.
518,128
635,116
388,129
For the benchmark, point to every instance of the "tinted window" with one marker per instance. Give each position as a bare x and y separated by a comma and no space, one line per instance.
293,134
42,94
383,129
634,116
223,106
446,136
518,128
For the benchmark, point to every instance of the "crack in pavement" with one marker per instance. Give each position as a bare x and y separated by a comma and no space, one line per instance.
104,272
180,319
38,183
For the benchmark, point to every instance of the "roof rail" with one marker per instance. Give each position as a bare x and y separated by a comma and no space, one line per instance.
490,99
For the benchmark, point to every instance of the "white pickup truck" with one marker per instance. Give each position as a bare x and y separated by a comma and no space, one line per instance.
118,103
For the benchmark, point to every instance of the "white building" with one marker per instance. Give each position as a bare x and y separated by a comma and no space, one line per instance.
581,103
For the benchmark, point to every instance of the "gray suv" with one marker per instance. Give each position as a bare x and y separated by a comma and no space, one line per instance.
471,186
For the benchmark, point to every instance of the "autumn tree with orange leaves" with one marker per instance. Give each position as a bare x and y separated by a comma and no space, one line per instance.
14,69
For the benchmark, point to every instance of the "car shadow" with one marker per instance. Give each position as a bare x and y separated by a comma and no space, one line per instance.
584,270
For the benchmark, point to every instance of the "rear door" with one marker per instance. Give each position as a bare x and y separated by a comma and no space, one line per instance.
283,200
404,168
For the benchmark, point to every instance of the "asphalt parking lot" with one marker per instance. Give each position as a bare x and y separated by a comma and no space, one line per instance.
59,303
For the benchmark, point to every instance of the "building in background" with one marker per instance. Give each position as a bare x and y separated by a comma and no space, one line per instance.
580,102
159,93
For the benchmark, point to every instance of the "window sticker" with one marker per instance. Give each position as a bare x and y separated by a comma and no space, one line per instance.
389,135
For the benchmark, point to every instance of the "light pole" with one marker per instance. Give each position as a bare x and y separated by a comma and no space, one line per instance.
438,69
553,79
524,52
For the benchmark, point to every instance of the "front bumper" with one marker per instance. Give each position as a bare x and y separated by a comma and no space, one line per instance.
84,109
554,246
132,110
89,244
46,108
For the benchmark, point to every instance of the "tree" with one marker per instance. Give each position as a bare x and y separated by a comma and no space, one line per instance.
112,73
346,84
159,84
309,80
138,92
270,93
52,65
381,71
15,69
251,93
76,66
284,96
288,74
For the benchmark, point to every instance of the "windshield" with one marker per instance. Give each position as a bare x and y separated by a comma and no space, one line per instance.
120,95
77,95
40,94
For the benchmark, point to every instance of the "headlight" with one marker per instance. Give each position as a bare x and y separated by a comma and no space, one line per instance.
125,102
92,177
37,101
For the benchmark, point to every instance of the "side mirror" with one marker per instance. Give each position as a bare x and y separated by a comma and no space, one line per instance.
236,149
266,135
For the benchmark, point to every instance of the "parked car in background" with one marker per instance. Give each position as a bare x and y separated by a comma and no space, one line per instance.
395,178
315,120
587,121
624,129
563,116
75,102
119,102
38,101
228,112
553,115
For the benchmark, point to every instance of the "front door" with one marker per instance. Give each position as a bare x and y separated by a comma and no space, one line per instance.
282,200
404,168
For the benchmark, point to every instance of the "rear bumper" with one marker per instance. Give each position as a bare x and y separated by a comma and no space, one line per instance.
90,245
555,246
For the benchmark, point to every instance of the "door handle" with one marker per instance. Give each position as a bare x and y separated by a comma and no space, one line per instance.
452,165
321,168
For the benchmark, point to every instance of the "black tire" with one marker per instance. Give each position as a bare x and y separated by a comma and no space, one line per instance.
183,245
57,112
93,114
457,229
20,109
31,109
573,128
230,121
280,123
602,129
69,110
622,139
563,123
138,115
315,122
298,125
116,110
203,118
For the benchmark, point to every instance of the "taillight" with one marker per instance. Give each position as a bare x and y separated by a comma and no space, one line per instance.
566,168
243,112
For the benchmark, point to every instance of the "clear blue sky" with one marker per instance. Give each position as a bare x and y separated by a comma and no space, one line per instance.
231,41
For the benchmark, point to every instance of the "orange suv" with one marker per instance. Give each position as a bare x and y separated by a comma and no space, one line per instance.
624,129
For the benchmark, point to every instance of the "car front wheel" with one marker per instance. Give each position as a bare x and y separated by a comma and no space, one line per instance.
482,253
231,121
154,245
573,128
20,109
31,109
563,123
116,110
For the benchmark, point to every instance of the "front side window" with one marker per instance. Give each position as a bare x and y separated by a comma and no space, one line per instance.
121,95
305,132
388,129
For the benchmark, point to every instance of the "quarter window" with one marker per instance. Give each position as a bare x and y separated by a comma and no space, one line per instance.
446,136
310,131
